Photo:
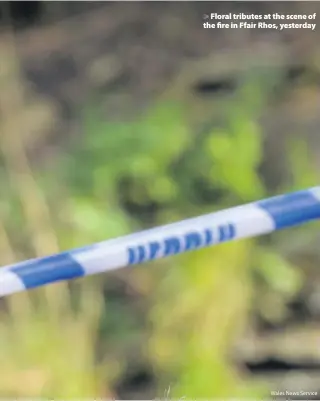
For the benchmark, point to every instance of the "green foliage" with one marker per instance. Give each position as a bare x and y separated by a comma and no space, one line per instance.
236,156
303,169
197,322
141,150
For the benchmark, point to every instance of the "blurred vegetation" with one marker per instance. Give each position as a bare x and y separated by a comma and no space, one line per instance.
117,178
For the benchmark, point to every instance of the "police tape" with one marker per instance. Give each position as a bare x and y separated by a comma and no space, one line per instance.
244,221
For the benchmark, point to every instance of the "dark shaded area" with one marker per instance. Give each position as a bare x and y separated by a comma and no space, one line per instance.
278,365
25,14
215,87
22,14
295,73
146,210
138,381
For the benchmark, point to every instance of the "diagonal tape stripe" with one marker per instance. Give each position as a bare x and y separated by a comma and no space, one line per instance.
47,270
292,209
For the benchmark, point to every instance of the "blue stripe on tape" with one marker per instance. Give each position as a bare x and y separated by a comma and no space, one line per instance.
47,270
289,210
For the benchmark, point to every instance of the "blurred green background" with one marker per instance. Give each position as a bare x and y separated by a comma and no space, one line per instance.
107,129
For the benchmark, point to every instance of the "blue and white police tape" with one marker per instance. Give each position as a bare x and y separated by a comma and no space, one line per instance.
245,221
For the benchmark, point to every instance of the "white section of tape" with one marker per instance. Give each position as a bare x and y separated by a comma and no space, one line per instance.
102,260
10,283
251,220
315,192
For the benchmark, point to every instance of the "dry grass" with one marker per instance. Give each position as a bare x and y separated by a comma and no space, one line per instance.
47,349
